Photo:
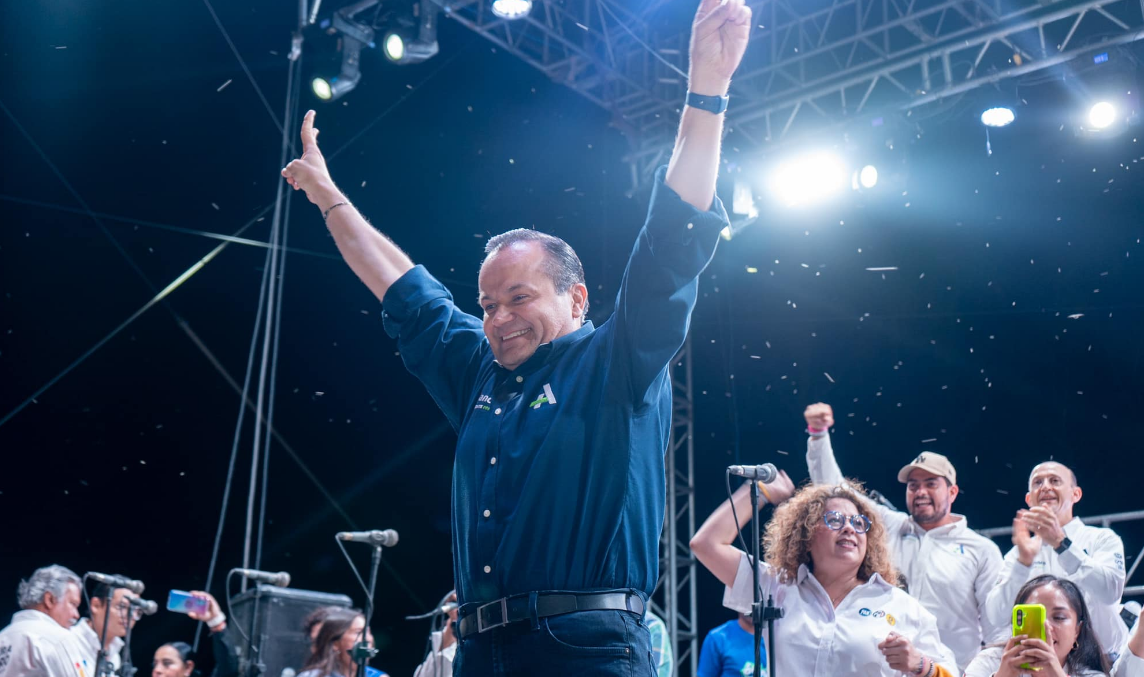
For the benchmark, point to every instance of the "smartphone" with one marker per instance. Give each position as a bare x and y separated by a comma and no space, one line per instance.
1029,620
183,602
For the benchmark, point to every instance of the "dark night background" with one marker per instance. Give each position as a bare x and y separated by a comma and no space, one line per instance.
120,466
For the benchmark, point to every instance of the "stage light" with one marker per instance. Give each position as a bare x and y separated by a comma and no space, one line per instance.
512,9
395,47
997,117
808,179
743,199
1101,115
322,89
868,177
332,89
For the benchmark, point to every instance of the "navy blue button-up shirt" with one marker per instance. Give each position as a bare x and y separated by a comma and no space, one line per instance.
558,481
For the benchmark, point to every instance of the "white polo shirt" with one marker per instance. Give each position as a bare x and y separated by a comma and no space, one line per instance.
1094,562
950,569
814,639
988,662
34,645
88,641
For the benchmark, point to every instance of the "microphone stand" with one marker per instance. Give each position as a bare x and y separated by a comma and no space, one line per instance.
102,663
362,651
127,669
761,612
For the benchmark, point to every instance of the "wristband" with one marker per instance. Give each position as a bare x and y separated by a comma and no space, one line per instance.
763,488
326,214
816,432
711,104
216,621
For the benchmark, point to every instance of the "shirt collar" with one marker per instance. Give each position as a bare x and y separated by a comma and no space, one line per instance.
89,634
547,352
1072,527
875,579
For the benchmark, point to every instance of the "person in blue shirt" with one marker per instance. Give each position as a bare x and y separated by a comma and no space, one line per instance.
729,650
558,480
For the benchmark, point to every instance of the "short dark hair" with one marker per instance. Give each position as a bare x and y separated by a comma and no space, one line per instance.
563,266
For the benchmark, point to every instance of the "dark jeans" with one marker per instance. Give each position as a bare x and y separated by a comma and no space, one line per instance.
580,643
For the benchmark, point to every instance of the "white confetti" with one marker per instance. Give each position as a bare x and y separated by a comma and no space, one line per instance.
224,85
1076,316
883,268
828,377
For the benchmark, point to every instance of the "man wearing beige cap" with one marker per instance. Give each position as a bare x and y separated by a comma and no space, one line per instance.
948,568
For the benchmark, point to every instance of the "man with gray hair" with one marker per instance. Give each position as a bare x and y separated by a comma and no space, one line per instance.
37,642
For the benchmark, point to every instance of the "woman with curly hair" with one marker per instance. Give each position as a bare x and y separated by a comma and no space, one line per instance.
1071,649
829,568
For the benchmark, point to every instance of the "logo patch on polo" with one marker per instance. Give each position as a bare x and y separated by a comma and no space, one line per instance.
864,612
891,620
483,403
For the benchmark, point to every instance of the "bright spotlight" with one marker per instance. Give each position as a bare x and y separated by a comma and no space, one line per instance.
997,117
1102,115
808,179
322,89
868,177
395,47
512,9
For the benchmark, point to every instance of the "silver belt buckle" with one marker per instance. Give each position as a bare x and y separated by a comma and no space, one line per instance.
481,626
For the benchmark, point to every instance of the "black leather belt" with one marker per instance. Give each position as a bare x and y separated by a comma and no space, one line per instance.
477,618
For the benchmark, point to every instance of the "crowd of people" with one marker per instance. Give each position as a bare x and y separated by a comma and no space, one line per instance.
49,638
869,590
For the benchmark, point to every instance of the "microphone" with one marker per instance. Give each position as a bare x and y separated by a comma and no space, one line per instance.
766,472
388,538
880,499
147,606
118,581
281,579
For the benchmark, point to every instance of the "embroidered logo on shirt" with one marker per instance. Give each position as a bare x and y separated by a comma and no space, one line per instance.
864,612
748,669
891,620
483,403
545,398
879,613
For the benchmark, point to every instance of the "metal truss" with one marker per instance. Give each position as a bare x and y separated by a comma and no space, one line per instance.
675,595
811,63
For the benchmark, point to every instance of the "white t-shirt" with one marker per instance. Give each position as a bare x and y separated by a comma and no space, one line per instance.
949,569
34,645
814,639
1094,562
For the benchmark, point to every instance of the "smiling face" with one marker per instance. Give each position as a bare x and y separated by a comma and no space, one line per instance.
929,497
1053,486
522,309
842,550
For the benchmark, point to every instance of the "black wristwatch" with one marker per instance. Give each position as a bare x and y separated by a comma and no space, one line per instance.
1066,543
711,104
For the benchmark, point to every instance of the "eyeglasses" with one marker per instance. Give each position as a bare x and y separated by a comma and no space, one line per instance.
835,521
125,608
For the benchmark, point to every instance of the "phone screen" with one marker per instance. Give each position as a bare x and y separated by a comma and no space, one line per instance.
184,602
